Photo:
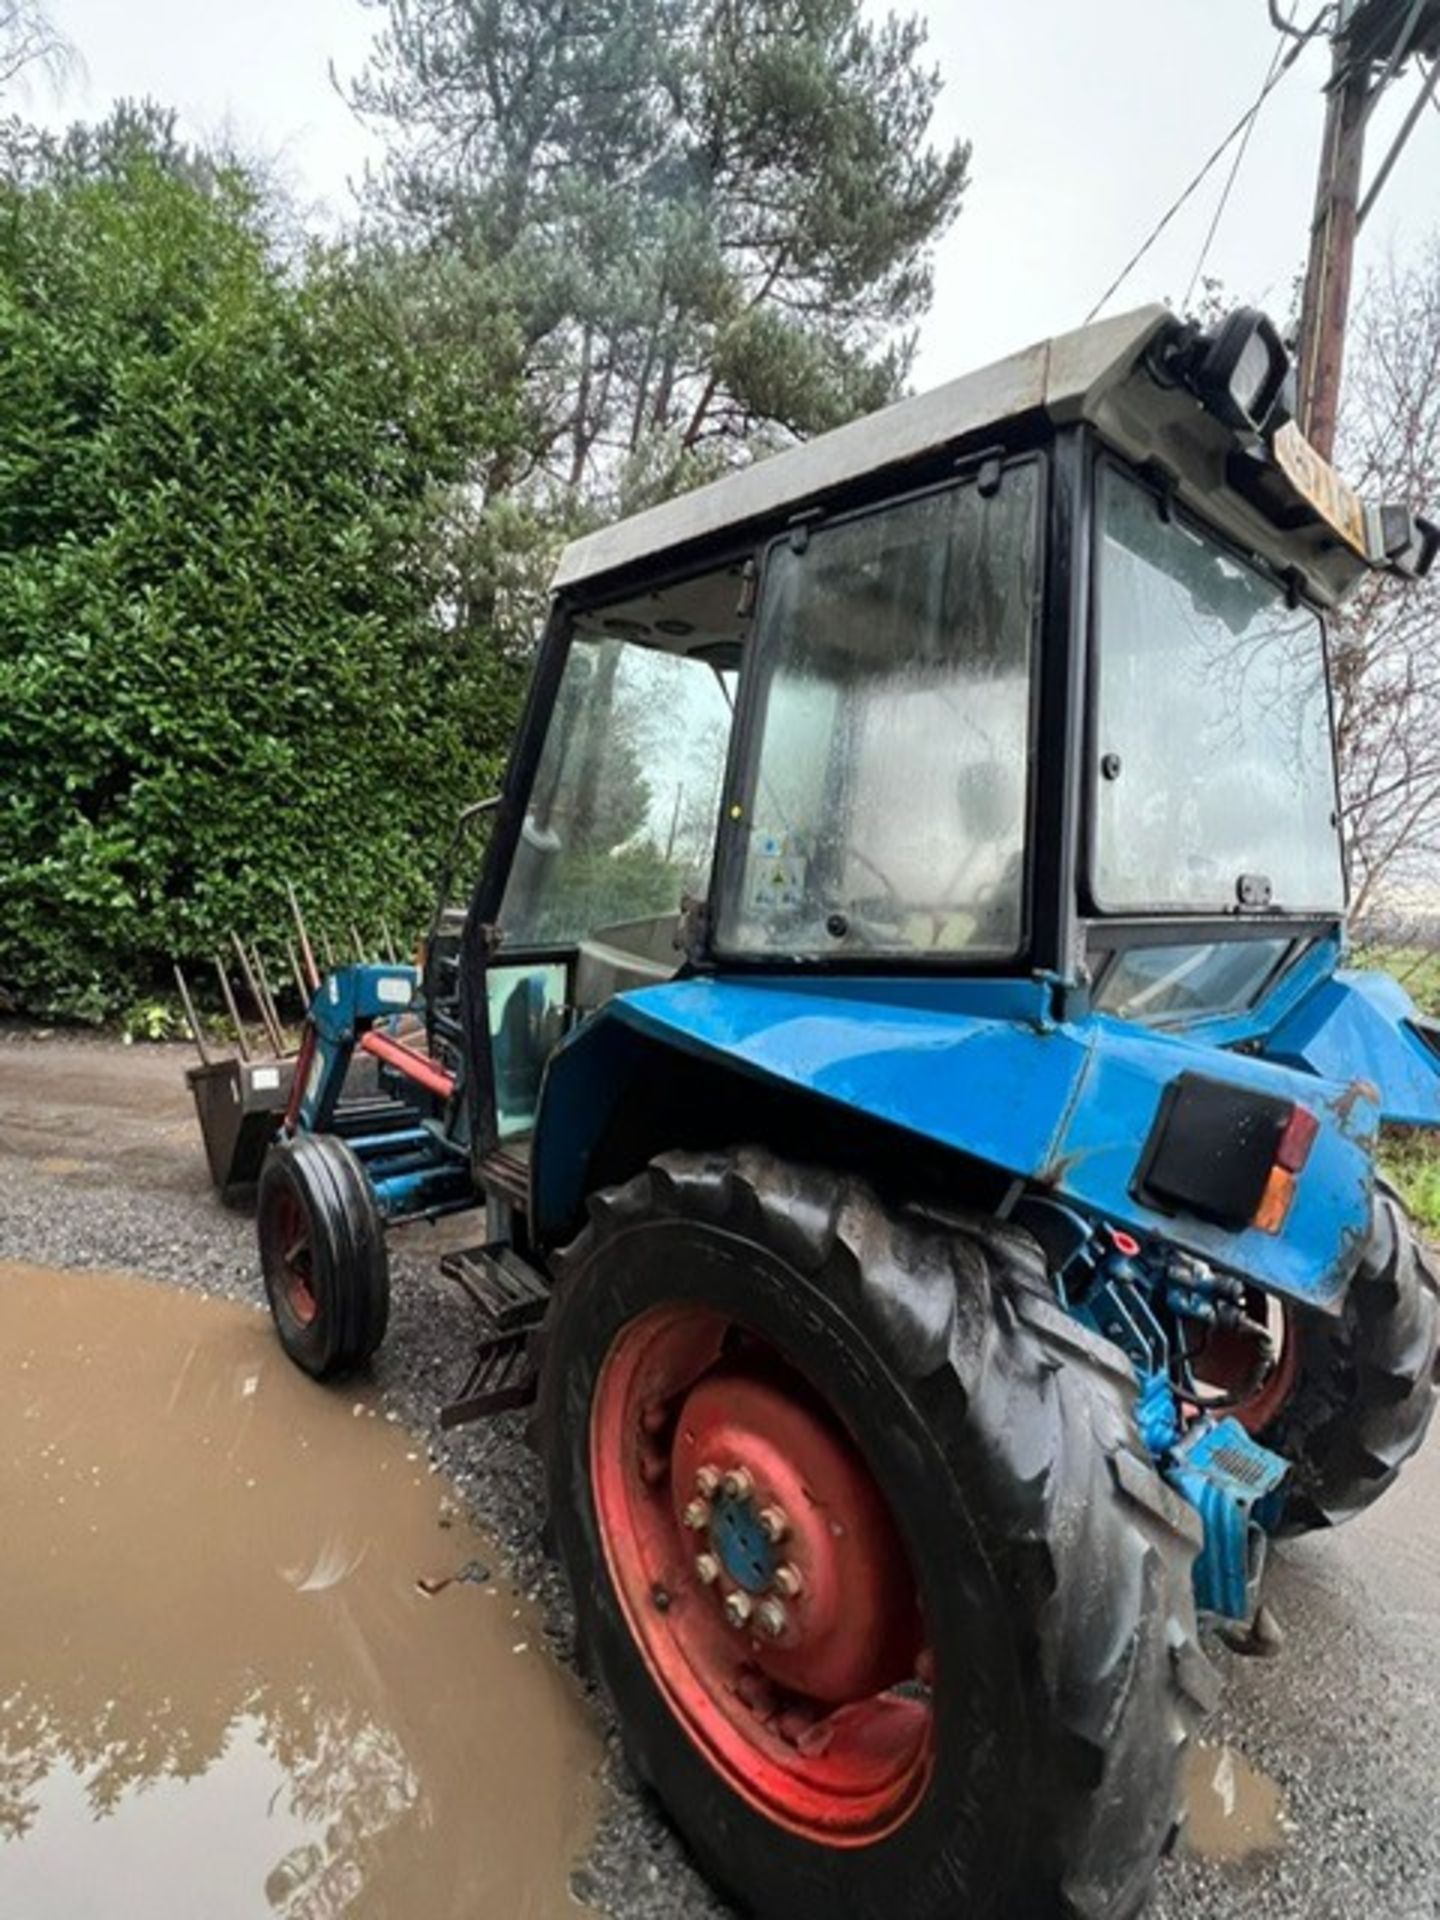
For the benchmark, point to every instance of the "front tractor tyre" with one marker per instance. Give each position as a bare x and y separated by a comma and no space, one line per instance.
323,1254
1359,1387
866,1550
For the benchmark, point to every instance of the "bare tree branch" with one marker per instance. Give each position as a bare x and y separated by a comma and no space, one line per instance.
30,43
1386,642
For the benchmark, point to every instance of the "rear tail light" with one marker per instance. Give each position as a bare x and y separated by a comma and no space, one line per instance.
1297,1140
1292,1150
1275,1202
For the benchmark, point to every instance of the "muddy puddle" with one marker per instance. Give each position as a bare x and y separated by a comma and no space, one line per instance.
223,1689
1233,1812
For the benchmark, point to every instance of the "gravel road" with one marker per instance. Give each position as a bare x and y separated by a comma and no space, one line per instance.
100,1166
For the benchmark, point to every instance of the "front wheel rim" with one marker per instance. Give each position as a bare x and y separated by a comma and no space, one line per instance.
762,1576
294,1257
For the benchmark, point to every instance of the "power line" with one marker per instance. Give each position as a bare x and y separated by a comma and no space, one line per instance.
1241,126
1287,29
1281,23
1430,80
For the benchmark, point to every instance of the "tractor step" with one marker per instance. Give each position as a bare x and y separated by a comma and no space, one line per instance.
510,1297
502,1379
509,1294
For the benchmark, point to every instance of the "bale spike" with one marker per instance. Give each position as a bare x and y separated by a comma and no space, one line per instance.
192,1018
272,1012
301,988
252,987
232,1009
307,952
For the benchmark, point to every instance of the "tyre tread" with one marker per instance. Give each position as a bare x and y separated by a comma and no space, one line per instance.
1367,1381
348,1236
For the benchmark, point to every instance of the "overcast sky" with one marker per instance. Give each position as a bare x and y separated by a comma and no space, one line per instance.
1086,121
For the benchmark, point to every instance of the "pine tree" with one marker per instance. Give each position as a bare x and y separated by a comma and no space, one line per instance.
715,217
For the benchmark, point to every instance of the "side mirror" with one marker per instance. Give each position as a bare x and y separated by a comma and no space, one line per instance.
463,820
475,811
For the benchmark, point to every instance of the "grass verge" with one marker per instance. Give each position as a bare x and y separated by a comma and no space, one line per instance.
1410,1159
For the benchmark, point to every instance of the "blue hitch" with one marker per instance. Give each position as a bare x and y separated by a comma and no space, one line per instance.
1226,1477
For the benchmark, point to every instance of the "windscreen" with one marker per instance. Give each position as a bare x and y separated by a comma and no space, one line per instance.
884,809
1212,737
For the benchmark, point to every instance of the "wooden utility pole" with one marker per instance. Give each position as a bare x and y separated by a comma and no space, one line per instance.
1372,40
1332,251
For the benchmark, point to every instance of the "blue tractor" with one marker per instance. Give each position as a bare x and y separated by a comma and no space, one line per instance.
902,1041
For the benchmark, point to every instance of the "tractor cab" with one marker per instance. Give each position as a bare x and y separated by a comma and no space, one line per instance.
1016,692
926,1129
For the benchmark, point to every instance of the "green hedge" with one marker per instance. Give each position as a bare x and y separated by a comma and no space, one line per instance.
229,647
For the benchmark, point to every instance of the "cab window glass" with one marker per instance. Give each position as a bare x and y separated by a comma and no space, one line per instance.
885,808
621,820
1213,754
1188,982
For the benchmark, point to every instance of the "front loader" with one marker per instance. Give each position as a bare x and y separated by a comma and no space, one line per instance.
902,1040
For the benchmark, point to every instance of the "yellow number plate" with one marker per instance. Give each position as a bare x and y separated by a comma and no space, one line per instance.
1313,477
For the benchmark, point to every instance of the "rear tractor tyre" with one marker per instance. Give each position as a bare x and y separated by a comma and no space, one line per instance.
866,1549
1364,1381
323,1254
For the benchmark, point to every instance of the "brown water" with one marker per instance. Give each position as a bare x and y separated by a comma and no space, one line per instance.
1232,1811
224,1691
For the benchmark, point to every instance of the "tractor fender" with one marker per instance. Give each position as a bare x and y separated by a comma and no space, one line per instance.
1366,1023
979,1069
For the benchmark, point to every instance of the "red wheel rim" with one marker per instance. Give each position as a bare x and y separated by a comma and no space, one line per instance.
762,1576
291,1228
1232,1366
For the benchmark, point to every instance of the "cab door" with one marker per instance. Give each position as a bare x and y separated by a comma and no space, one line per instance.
607,828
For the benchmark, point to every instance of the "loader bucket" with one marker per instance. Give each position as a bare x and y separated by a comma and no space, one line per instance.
240,1104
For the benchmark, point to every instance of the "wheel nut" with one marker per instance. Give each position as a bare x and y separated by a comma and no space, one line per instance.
774,1523
707,1569
697,1515
707,1482
738,1608
787,1580
738,1484
772,1619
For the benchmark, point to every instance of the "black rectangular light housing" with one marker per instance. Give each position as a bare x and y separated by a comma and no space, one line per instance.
1408,541
1211,1150
1241,370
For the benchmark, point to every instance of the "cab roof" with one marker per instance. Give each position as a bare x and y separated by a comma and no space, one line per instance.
1062,377
1102,374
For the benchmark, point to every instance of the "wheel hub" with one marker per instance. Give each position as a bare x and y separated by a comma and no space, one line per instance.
810,1566
740,1544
